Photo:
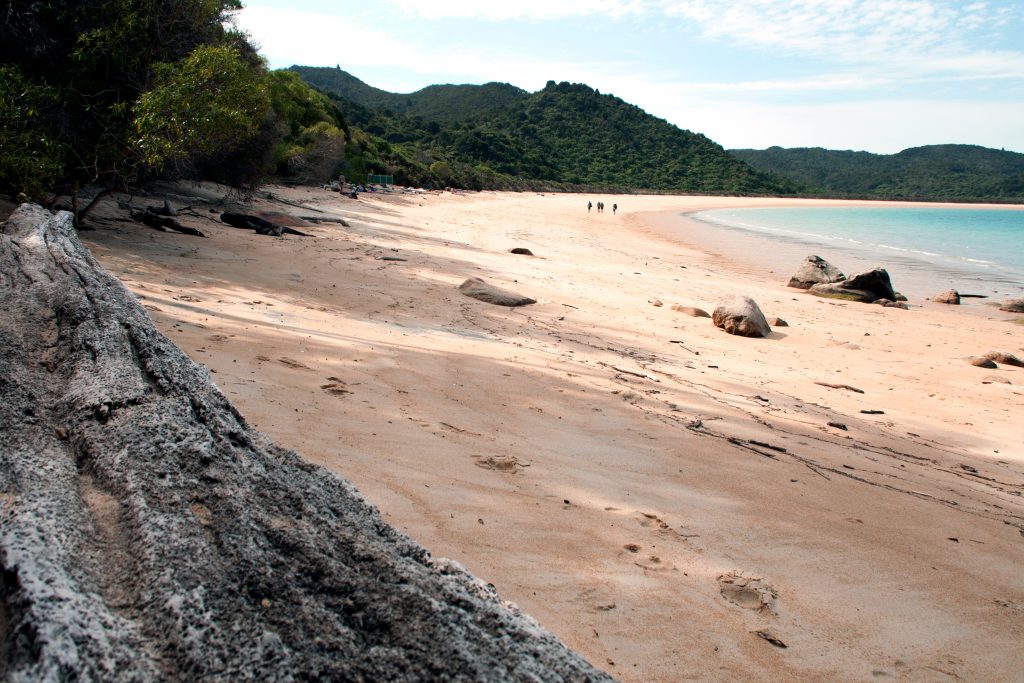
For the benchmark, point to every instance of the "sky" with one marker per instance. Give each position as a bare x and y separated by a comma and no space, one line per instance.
874,75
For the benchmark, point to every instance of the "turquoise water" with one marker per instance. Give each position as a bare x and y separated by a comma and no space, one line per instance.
927,248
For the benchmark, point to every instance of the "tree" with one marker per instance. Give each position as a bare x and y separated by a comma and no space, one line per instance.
199,110
78,68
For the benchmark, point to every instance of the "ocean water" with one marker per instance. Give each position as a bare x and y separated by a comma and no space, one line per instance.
925,249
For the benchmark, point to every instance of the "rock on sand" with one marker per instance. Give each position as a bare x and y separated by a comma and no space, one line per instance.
1004,358
867,287
1013,306
815,270
741,316
950,297
476,288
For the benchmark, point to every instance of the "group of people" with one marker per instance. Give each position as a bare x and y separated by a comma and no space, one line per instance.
600,207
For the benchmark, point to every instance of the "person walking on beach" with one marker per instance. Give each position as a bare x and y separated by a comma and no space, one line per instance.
589,204
615,207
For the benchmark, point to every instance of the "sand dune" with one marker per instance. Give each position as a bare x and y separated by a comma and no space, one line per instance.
670,500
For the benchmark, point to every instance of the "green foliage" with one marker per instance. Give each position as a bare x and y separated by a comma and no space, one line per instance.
567,135
954,172
201,108
439,103
30,159
103,80
314,130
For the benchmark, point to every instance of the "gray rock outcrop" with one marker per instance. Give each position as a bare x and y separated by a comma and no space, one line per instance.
815,270
867,287
476,288
150,534
741,316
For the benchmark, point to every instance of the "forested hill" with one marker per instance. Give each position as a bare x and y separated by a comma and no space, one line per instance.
564,136
956,172
443,103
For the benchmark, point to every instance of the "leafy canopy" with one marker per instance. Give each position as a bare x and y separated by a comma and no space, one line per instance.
200,109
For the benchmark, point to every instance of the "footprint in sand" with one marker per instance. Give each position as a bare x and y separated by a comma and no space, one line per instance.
655,523
508,464
748,592
292,363
646,562
189,298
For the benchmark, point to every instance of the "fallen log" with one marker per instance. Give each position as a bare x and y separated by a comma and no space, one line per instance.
156,221
149,533
260,225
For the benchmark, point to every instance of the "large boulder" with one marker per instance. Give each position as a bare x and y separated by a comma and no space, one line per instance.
950,297
1013,306
815,270
476,288
867,287
149,533
741,316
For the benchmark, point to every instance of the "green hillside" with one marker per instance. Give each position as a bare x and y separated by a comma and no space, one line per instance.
443,103
564,136
957,172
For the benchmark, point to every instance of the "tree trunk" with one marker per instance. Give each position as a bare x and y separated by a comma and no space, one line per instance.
149,533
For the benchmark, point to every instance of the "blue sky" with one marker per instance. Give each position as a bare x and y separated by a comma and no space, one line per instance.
875,75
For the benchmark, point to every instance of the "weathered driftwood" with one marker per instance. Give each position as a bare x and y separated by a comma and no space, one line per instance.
156,219
148,533
260,225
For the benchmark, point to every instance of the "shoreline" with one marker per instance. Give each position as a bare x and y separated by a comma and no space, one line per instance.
913,273
470,426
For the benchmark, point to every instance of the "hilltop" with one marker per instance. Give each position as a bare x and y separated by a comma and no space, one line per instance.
957,172
565,136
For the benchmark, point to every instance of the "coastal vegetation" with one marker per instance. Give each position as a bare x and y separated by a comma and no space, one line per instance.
565,136
934,172
109,93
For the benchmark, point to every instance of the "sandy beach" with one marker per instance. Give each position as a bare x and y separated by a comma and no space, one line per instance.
670,500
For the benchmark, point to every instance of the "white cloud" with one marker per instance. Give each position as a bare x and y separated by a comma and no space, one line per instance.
912,37
530,10
286,37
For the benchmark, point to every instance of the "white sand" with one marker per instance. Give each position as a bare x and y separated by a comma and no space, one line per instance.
470,425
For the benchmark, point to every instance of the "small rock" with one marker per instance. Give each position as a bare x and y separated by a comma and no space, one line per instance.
838,425
1004,358
657,303
815,270
1013,306
995,379
522,250
950,297
476,288
986,363
778,322
741,316
868,286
